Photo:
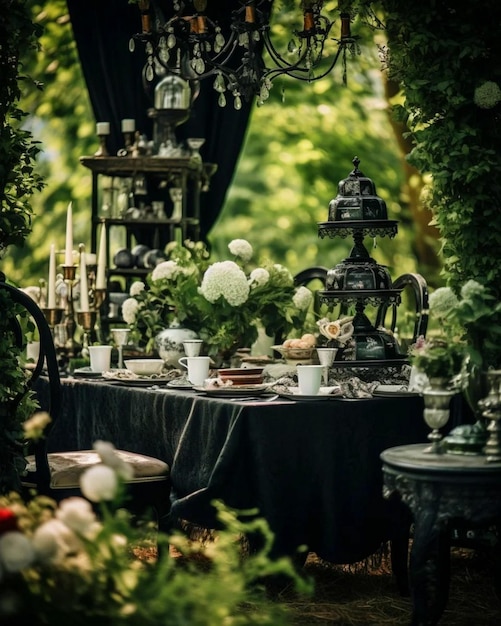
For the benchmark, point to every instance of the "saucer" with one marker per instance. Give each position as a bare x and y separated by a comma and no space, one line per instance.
324,393
233,390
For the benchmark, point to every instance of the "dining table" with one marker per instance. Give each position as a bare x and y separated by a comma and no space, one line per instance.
311,468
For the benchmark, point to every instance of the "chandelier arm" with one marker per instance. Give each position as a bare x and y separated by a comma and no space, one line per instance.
277,56
295,72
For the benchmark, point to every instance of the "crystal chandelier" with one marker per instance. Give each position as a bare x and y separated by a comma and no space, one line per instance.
193,45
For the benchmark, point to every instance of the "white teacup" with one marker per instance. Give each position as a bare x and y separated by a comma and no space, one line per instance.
192,347
100,358
309,378
198,368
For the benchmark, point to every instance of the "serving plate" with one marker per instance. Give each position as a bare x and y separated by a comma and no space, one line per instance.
385,391
325,393
87,372
233,390
179,383
143,381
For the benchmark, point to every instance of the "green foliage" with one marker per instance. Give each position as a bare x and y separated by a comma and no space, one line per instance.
93,575
223,302
16,401
18,180
300,143
442,56
61,117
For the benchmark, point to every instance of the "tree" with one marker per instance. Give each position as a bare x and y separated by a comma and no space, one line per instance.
296,152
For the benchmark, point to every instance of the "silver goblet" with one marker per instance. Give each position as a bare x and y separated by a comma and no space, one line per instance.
120,337
326,358
436,414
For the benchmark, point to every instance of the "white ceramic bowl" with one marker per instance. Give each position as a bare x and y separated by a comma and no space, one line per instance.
144,367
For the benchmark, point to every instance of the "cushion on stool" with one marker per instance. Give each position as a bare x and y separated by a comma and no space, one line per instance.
66,468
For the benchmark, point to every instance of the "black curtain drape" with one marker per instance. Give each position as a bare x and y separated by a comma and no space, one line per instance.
113,74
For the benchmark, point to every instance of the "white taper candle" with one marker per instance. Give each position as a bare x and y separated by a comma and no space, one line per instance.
68,255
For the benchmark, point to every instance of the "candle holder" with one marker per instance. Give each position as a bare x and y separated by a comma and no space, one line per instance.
69,273
87,320
99,296
491,412
53,317
128,142
102,151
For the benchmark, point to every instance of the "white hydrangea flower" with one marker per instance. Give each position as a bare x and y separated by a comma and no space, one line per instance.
442,301
34,426
283,270
78,515
137,287
16,551
129,310
302,298
241,248
487,95
53,541
166,269
472,289
225,279
259,277
109,457
99,483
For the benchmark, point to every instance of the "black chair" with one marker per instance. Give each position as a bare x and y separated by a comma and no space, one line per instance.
417,288
315,274
57,474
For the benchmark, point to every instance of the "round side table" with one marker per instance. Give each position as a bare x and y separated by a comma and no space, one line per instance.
440,489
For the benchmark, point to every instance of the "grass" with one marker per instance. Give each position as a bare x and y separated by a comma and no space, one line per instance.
363,596
366,594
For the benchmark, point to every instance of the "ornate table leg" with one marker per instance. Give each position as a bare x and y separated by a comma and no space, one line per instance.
429,567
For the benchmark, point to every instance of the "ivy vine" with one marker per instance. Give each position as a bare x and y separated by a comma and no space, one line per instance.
447,58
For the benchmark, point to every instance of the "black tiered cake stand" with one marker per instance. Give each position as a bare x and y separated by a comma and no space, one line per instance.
359,281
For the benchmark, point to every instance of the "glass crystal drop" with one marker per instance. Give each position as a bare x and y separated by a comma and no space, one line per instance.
132,44
237,103
219,42
264,94
256,35
171,41
150,74
221,100
219,85
149,48
163,55
291,46
199,66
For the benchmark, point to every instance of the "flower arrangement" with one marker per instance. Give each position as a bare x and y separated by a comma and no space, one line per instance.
224,302
476,315
470,327
437,358
64,564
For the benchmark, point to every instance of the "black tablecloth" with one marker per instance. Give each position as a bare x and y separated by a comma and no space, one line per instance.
311,468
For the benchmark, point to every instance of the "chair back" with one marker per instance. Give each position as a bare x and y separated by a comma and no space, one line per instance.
315,274
416,284
47,358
